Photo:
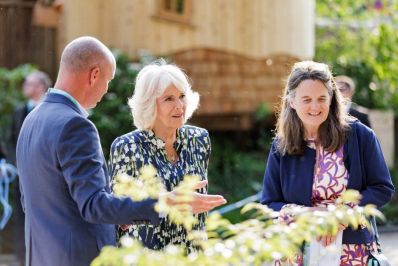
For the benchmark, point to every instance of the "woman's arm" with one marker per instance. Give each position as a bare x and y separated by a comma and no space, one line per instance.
271,194
379,188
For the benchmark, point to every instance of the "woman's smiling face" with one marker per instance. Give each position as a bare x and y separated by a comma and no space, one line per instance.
311,102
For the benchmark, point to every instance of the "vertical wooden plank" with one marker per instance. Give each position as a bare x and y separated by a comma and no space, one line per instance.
21,42
254,28
83,18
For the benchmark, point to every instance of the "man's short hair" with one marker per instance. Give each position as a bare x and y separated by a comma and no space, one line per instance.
85,53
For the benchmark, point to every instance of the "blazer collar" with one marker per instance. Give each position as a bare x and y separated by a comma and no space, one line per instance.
59,98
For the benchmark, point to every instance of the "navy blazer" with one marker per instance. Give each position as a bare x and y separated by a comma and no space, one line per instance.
289,178
70,212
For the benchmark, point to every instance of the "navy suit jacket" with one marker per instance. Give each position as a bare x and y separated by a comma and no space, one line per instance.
289,178
361,116
70,212
18,117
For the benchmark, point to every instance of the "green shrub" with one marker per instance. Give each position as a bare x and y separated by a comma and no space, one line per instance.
236,168
10,95
366,53
391,209
112,115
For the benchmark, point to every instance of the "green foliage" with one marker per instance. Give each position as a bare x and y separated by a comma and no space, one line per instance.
10,94
390,210
234,172
359,40
112,115
262,112
263,238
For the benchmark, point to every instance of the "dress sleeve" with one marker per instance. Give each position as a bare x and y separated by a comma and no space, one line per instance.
122,159
203,151
207,150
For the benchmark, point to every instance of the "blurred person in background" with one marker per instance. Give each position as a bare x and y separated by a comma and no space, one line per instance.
34,88
347,88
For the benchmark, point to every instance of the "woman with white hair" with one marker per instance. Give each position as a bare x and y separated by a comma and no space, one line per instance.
162,102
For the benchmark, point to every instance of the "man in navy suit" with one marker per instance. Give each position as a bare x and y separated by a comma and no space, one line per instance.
69,210
34,88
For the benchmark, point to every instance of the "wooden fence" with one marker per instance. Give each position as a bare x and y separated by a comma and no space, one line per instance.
21,42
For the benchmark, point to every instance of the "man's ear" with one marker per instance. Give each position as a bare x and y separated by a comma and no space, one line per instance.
94,75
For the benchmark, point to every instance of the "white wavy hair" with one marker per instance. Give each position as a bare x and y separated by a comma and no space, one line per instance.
150,84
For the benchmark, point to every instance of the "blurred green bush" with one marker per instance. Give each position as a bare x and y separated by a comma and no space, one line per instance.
10,96
112,115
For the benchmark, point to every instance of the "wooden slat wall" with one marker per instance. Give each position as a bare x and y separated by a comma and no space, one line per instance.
233,86
256,28
230,83
21,42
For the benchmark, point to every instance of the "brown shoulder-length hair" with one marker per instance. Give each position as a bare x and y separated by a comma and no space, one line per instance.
290,129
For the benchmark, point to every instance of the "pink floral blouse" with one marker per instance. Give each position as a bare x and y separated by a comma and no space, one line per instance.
330,181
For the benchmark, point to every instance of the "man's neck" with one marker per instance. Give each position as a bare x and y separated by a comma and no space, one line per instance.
73,88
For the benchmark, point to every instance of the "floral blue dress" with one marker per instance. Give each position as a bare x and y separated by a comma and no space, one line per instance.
141,147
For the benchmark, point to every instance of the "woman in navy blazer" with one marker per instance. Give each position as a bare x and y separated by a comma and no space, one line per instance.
319,152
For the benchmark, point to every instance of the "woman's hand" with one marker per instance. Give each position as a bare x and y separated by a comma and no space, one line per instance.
329,238
326,240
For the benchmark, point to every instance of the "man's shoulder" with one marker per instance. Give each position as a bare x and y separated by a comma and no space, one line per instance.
355,108
58,118
361,113
58,111
359,107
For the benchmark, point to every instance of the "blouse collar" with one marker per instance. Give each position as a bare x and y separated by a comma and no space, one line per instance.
159,143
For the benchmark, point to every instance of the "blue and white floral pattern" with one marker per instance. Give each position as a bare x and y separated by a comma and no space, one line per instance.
141,147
